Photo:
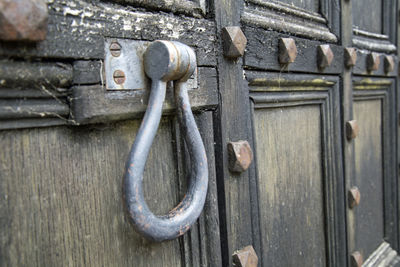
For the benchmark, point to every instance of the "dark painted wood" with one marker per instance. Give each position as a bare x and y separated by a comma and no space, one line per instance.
262,53
77,30
368,15
361,66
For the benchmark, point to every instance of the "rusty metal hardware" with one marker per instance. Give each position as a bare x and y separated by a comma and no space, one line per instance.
287,50
115,49
240,156
246,257
356,259
351,129
166,61
23,20
373,61
119,77
354,197
350,57
324,56
234,42
388,63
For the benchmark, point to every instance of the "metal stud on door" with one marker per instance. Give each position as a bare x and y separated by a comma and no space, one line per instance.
166,61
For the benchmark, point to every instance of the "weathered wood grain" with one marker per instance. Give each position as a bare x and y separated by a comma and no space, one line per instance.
290,180
61,201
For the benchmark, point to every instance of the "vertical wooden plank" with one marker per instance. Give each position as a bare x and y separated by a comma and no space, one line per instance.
61,197
232,124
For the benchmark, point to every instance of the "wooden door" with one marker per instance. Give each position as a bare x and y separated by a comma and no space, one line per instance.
320,122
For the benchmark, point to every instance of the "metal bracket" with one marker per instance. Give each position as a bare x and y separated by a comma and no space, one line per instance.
123,65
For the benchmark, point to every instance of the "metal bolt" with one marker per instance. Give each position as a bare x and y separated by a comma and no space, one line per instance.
115,49
23,20
240,156
351,129
287,50
234,42
324,56
119,76
356,259
388,63
350,56
354,197
245,257
373,61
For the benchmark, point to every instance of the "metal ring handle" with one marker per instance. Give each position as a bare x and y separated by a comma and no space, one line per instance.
165,61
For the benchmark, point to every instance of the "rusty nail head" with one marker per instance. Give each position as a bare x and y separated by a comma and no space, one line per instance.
115,49
356,259
234,42
324,56
350,56
388,63
351,129
373,61
287,50
245,257
240,156
119,77
23,20
354,197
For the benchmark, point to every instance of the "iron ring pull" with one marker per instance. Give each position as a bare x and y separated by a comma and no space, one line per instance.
165,61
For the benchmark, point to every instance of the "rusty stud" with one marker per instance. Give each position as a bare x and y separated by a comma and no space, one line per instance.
356,259
115,49
240,156
354,197
119,76
350,56
325,56
388,63
287,50
234,42
351,129
23,20
373,61
245,257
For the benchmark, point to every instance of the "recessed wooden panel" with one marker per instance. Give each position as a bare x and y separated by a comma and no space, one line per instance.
369,214
61,197
290,182
367,15
311,5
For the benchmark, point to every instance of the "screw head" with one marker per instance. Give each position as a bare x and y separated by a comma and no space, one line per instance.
240,156
325,56
115,49
388,63
234,42
287,50
350,56
23,20
351,129
119,77
356,259
245,257
373,61
354,197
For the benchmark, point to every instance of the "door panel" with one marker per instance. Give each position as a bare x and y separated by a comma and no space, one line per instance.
66,207
369,215
298,179
372,22
373,221
290,185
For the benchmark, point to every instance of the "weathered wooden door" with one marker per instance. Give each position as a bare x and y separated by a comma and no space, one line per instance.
310,86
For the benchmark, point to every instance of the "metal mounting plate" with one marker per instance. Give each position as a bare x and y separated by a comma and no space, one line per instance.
130,62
